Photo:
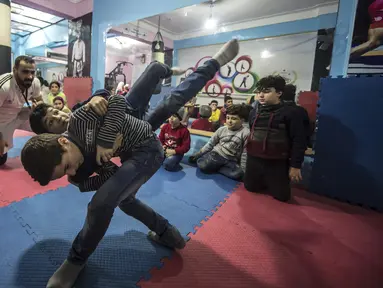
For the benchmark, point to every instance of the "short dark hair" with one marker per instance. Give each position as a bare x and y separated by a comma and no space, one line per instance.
54,82
227,98
177,115
59,98
289,93
214,101
40,155
239,110
26,59
37,117
272,81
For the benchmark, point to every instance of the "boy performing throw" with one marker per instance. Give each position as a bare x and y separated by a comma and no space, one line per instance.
89,141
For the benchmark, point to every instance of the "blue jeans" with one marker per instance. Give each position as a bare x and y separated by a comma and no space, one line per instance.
172,163
212,162
120,190
138,166
138,98
183,93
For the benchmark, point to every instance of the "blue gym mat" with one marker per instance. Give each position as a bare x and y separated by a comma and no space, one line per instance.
18,144
39,230
348,148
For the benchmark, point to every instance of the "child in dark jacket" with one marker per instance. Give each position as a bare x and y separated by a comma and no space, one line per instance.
203,122
175,139
277,142
289,98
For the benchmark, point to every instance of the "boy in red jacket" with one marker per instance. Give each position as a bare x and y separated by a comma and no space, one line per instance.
203,122
175,139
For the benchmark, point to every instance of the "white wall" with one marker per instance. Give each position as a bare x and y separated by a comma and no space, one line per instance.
140,67
292,56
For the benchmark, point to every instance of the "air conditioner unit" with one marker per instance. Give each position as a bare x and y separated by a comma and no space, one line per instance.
56,56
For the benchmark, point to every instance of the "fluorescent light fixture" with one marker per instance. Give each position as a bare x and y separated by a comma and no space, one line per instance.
211,24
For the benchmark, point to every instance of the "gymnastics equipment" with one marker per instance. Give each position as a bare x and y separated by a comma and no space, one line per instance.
111,77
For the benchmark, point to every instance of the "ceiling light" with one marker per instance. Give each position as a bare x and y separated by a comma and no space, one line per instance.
211,24
266,54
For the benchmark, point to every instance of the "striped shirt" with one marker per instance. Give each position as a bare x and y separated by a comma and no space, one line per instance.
87,130
12,99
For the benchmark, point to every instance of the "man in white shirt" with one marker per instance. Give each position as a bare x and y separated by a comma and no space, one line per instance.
19,94
78,57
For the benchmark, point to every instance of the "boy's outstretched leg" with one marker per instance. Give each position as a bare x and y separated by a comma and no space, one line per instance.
139,95
161,230
193,84
68,271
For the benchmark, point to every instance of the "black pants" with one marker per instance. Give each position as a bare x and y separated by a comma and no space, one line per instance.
271,175
3,159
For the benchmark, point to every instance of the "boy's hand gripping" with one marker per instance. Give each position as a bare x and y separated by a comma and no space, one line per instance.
105,154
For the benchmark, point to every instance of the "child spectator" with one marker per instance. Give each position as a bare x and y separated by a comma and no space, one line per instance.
126,89
228,103
277,142
215,112
289,98
175,139
59,104
120,88
54,89
224,152
203,123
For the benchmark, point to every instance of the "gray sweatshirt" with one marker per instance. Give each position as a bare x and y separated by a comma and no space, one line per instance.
229,144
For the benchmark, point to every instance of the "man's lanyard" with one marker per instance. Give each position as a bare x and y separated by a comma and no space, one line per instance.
25,95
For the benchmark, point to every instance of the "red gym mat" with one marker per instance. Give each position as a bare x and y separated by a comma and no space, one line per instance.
255,241
16,184
22,133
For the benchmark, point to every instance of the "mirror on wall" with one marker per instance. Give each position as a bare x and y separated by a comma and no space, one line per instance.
189,36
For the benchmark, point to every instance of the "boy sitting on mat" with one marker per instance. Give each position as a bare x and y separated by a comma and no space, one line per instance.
175,138
224,152
277,142
203,122
87,147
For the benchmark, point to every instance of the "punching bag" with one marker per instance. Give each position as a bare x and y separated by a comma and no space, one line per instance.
158,54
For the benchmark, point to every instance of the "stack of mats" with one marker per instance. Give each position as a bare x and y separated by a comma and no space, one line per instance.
348,149
37,231
253,241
